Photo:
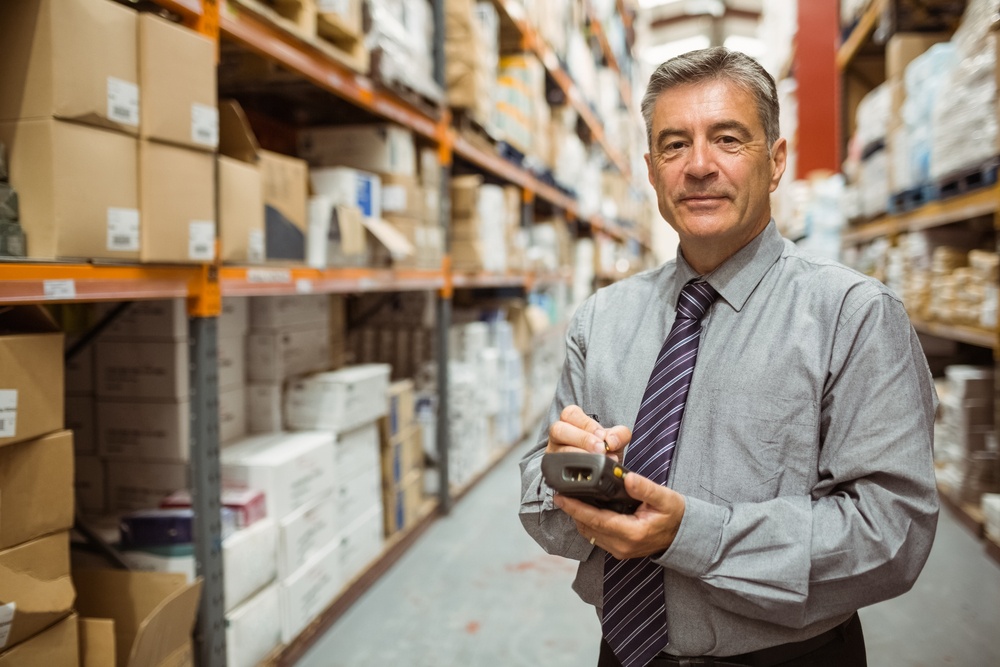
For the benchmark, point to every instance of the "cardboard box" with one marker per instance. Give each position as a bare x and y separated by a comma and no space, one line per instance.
153,613
71,59
403,502
97,642
292,469
337,235
59,645
35,588
235,317
402,195
309,591
274,356
401,455
232,413
349,187
402,406
69,209
264,406
135,486
162,320
177,203
81,418
90,484
249,559
232,362
251,631
241,212
385,148
288,311
903,47
31,374
144,430
79,373
177,79
36,488
142,370
304,533
284,179
338,400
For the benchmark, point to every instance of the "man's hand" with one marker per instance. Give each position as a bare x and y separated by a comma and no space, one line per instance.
576,431
650,530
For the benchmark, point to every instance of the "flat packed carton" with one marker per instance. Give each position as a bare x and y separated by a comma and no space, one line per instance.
31,374
70,59
291,311
59,645
70,209
26,470
153,613
177,79
251,630
241,212
35,587
177,203
249,559
164,320
134,369
338,400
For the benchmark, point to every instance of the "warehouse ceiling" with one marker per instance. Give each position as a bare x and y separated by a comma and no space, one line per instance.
671,27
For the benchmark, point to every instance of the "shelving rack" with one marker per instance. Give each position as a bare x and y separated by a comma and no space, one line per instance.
204,285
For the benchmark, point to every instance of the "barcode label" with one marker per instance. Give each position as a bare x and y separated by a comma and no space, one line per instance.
303,286
8,419
123,229
59,289
204,125
6,620
269,276
201,240
123,101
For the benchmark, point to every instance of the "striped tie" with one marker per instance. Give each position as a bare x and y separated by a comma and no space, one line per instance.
634,620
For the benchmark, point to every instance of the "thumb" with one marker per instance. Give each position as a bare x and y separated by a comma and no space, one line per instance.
647,491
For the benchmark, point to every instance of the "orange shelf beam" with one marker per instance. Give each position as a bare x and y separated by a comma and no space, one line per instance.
268,280
40,282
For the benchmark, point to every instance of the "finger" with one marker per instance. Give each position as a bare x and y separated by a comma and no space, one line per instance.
647,491
564,434
575,415
616,438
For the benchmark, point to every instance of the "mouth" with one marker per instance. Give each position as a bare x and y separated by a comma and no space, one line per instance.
697,198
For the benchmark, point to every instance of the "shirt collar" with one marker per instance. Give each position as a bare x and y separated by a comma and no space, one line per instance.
737,277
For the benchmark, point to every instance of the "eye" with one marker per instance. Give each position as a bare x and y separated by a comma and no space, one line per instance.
728,141
674,146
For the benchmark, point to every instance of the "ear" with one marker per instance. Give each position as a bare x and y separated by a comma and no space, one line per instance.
649,169
779,159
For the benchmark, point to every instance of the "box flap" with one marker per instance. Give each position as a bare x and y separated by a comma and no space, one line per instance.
165,634
236,138
26,319
97,642
395,241
34,577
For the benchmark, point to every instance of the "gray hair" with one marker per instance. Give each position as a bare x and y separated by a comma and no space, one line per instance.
715,63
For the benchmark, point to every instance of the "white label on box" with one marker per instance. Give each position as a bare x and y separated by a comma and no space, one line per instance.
6,620
304,286
123,101
269,276
123,229
255,246
201,240
8,413
59,289
204,125
393,198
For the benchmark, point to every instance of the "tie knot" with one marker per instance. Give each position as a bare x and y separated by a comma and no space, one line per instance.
695,299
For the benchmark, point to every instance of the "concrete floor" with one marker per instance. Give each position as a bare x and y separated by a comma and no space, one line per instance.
475,591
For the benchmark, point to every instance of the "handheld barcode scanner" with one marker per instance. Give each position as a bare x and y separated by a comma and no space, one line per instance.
595,479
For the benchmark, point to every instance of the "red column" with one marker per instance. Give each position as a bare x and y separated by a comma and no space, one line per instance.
818,86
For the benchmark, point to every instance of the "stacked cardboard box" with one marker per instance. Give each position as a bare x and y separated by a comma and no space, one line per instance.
965,435
36,491
402,459
468,75
963,287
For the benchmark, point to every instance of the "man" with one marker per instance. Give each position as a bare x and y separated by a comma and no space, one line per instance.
779,410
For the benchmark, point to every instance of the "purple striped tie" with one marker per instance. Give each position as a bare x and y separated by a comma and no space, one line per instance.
634,620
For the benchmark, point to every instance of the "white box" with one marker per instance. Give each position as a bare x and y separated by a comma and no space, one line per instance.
154,320
289,311
144,430
354,497
82,420
249,561
232,413
359,544
309,591
338,400
349,187
232,362
234,320
386,147
264,407
89,483
275,356
356,451
134,370
251,630
138,486
292,469
178,559
304,533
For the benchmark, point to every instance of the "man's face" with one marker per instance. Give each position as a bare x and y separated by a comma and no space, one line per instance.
710,166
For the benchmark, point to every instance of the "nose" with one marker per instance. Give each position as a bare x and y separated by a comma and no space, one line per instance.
700,164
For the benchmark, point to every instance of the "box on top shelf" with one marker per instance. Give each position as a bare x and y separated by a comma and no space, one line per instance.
153,613
35,584
69,209
284,180
292,469
385,148
241,212
25,470
338,400
177,80
58,645
31,374
70,59
251,630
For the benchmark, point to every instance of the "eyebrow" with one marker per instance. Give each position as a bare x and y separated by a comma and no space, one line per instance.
722,126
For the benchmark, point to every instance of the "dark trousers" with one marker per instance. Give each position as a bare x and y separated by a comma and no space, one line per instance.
845,649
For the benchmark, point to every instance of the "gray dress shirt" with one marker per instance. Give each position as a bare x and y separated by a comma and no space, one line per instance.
804,453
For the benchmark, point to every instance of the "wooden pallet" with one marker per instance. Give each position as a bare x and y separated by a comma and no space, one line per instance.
913,198
969,180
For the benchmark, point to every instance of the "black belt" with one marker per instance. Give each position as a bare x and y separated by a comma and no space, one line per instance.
765,657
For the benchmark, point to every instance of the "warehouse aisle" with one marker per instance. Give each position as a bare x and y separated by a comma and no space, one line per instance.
475,591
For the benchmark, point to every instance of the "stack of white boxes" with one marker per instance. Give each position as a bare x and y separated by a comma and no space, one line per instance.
509,422
289,336
965,436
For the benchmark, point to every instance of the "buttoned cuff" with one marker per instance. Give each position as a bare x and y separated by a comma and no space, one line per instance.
697,540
